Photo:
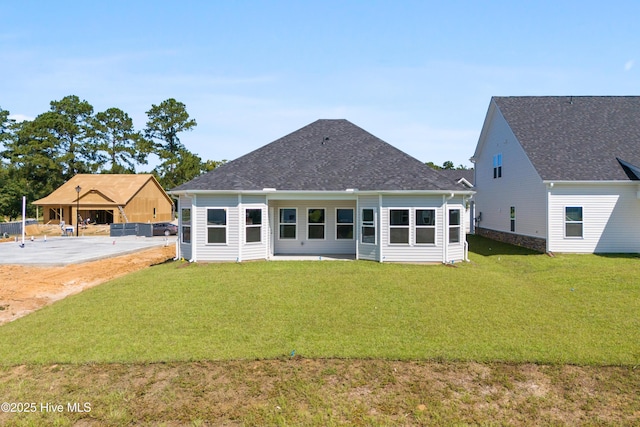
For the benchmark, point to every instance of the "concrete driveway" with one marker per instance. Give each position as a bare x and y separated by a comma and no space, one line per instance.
60,251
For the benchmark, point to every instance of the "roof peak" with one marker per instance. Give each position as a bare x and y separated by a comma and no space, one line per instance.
325,155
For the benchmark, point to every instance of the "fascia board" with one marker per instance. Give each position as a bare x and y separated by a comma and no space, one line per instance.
576,183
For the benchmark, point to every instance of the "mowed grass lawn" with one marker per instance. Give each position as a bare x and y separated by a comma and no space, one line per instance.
506,305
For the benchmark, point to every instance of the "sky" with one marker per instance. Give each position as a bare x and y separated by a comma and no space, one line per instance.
417,74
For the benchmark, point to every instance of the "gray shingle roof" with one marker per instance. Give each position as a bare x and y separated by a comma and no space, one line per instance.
326,155
576,138
456,175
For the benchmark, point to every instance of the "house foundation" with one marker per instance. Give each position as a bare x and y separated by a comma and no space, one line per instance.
534,243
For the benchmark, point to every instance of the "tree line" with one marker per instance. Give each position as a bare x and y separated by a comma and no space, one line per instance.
447,165
39,155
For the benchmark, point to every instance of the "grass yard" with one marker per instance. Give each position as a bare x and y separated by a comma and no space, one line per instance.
506,305
511,338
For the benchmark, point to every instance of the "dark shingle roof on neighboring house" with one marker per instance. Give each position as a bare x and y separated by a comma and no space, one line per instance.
326,155
455,175
577,138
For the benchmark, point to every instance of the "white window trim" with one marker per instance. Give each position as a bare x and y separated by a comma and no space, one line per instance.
323,224
253,225
497,166
416,226
459,226
372,224
226,226
182,225
408,226
564,222
352,224
288,223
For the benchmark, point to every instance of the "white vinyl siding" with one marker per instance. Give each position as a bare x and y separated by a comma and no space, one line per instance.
414,252
230,251
236,248
520,186
305,245
609,218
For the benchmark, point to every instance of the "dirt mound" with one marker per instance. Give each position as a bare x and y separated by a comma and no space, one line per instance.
26,289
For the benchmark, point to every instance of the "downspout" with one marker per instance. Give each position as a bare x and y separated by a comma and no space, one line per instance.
549,187
377,217
179,234
242,228
357,226
465,200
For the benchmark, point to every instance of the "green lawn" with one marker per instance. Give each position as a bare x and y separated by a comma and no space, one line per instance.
505,305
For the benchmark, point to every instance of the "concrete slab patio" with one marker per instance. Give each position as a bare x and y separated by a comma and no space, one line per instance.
61,251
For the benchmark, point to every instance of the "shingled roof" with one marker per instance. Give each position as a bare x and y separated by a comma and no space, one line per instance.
578,138
115,189
326,155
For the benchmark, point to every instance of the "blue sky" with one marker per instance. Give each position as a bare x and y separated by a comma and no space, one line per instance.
418,74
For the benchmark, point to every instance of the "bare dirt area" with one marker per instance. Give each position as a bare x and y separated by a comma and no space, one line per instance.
323,392
25,289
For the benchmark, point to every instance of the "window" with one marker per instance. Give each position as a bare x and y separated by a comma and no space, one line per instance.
497,166
512,217
425,226
399,226
316,224
185,219
454,226
217,226
573,221
344,224
253,225
288,223
368,235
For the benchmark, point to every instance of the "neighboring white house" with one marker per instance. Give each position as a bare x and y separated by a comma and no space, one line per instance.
560,174
327,188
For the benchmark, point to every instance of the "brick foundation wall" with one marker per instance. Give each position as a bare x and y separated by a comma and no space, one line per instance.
534,243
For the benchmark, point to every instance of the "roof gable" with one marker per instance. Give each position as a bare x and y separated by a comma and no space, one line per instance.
117,189
326,155
576,138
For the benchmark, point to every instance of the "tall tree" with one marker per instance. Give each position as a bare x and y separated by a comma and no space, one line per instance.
166,121
70,122
5,125
179,169
32,153
117,142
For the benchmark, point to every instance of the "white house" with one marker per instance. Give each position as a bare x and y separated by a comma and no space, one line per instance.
560,174
328,188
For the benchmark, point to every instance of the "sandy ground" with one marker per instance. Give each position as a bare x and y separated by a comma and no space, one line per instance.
25,289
